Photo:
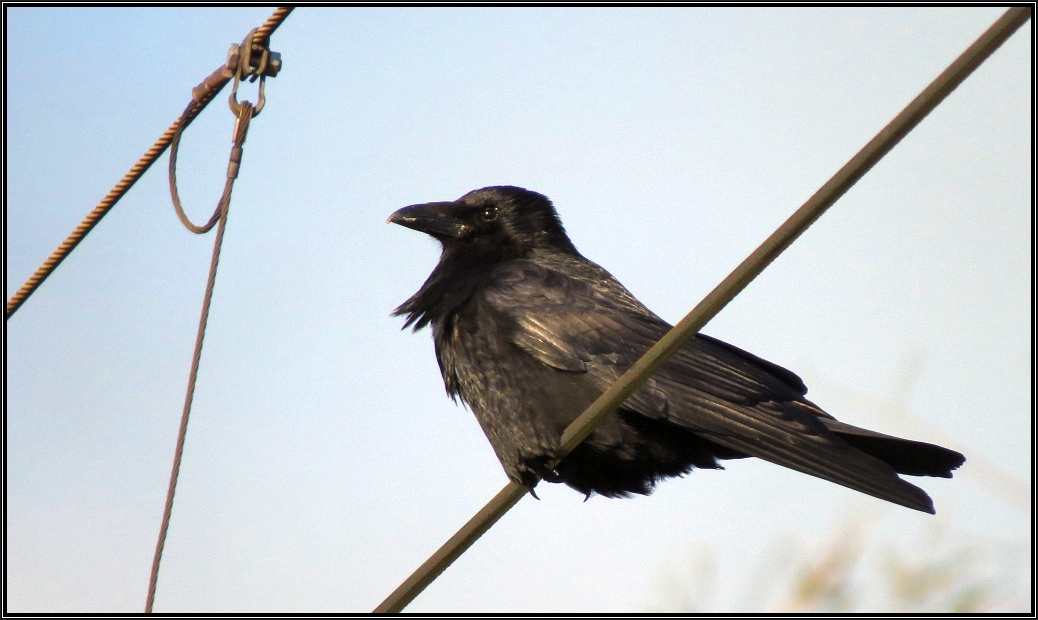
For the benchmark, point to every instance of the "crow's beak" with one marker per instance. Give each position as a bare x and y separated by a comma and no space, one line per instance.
434,218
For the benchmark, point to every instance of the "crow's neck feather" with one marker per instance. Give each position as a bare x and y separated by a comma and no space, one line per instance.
451,284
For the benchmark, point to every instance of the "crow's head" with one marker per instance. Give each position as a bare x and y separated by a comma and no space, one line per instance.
501,223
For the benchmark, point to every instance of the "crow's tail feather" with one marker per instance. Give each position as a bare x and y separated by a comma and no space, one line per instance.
912,458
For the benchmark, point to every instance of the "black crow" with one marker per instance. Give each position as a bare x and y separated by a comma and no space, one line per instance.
528,333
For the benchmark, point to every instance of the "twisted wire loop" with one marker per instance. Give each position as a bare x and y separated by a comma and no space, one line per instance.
201,96
240,67
241,130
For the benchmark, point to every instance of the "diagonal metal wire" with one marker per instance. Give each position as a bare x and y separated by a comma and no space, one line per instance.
731,286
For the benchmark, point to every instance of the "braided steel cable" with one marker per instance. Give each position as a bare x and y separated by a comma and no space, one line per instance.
276,18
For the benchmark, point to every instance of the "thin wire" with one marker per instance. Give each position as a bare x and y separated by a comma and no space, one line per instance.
241,129
188,399
731,286
130,178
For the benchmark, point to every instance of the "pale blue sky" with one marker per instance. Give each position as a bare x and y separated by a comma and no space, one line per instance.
324,461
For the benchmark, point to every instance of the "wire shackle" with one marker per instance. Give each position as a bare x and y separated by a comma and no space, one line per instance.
267,63
249,60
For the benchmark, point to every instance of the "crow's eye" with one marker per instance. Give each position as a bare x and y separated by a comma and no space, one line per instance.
489,214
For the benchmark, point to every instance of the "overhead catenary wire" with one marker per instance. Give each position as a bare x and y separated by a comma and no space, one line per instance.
202,95
720,296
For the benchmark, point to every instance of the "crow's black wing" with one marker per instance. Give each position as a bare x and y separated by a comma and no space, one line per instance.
573,316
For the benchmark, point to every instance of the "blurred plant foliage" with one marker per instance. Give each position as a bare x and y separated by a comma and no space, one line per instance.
950,571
